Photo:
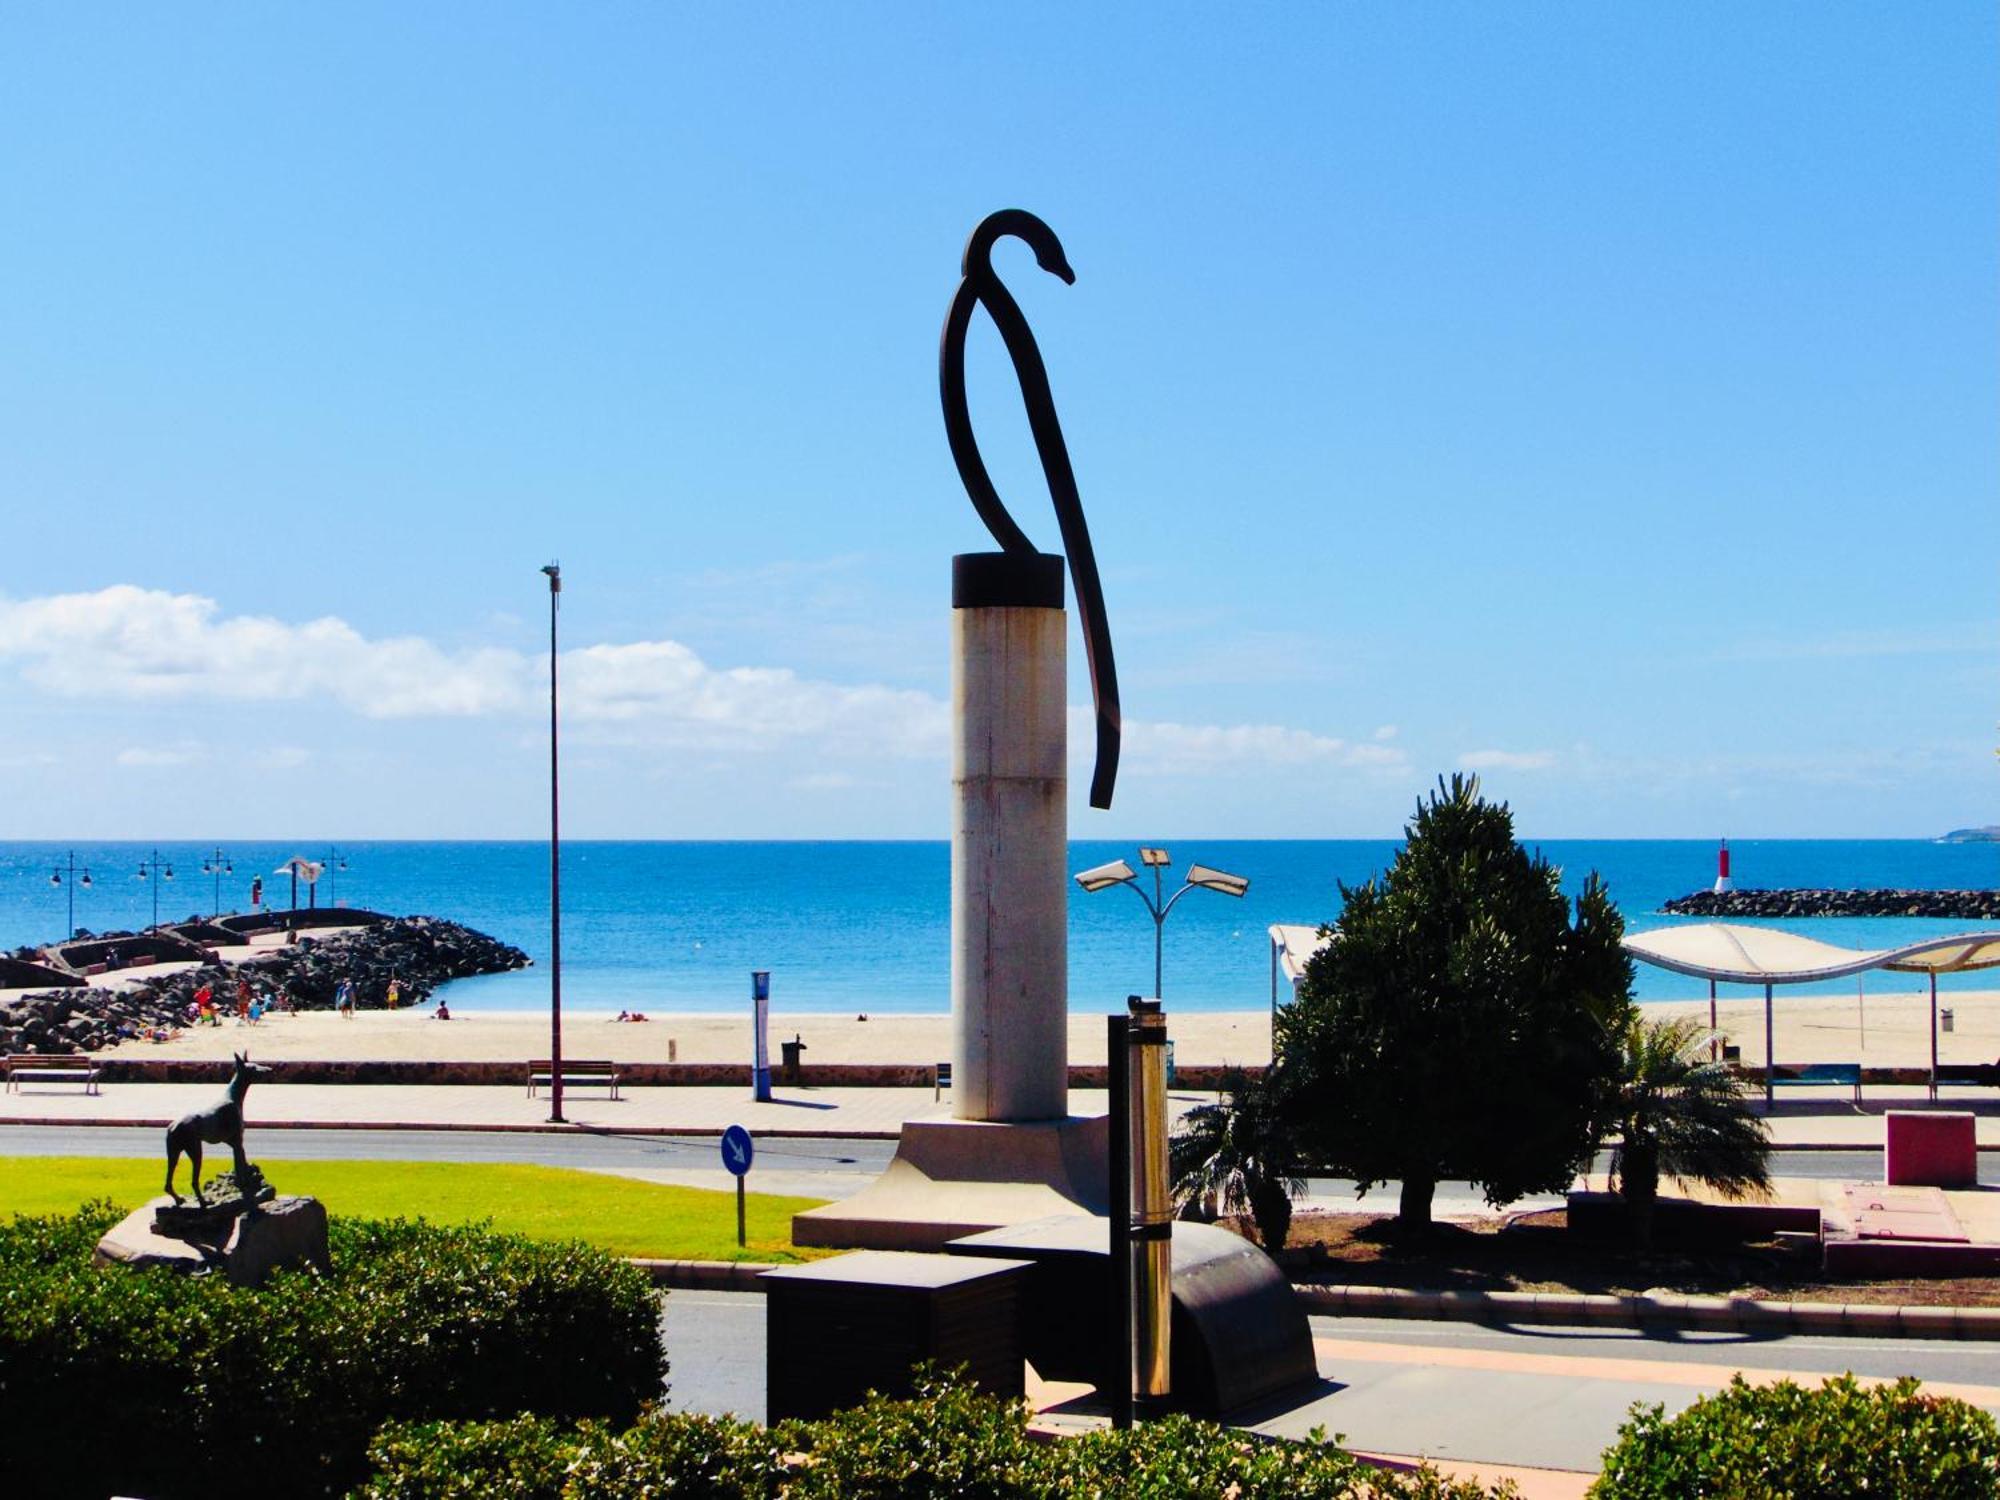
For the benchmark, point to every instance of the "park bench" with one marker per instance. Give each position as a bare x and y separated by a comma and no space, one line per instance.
1982,1075
1819,1075
29,1067
595,1073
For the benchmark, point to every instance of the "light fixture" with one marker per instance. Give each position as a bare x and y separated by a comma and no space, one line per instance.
1154,856
1103,877
1217,880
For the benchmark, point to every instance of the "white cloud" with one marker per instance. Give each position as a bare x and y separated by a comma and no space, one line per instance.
151,646
185,753
1507,760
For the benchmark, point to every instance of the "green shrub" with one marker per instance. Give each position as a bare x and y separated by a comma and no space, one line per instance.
948,1441
1766,1442
217,1391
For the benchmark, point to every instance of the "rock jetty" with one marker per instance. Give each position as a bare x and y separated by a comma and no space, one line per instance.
420,953
1973,906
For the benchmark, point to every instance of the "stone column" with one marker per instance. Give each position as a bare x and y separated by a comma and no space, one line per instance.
1010,839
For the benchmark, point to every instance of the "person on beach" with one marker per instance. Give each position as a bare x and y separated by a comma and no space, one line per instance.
395,992
443,1012
343,999
204,1004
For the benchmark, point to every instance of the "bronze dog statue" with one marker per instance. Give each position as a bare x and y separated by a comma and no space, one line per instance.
220,1124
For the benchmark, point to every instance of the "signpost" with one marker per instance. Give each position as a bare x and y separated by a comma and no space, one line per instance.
760,1026
737,1151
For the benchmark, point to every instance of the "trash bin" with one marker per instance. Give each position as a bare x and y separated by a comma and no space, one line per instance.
789,1058
1946,1020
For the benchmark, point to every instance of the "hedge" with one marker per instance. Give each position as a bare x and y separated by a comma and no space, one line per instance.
155,1383
947,1441
1785,1442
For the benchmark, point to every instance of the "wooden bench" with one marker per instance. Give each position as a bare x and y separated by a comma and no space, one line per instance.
1818,1075
29,1067
595,1073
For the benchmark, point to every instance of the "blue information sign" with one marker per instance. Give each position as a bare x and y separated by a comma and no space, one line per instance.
737,1150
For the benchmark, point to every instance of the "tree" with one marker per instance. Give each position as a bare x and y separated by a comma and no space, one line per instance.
1460,1026
1240,1153
1676,1113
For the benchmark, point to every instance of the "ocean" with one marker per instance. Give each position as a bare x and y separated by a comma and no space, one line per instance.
866,926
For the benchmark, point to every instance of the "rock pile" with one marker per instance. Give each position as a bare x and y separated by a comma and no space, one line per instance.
419,953
1976,906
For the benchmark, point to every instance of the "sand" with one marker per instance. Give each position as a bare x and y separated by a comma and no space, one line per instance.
1810,1028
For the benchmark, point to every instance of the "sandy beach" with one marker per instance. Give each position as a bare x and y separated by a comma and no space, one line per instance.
1809,1029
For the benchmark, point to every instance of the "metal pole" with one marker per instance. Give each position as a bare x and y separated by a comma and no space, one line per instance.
1714,1040
555,873
1118,1353
739,1213
156,887
1770,1062
1159,930
1934,1048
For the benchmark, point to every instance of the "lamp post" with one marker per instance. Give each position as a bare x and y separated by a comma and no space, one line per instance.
156,871
335,860
216,864
554,573
1199,878
56,878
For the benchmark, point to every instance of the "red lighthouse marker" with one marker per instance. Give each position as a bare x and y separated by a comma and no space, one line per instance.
1722,881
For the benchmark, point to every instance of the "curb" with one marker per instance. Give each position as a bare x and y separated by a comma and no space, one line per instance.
1868,1320
705,1275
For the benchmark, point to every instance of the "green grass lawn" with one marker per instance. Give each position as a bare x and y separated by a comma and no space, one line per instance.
624,1216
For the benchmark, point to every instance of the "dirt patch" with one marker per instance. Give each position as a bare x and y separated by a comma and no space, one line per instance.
1535,1253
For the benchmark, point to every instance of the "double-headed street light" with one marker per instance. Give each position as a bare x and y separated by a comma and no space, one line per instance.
1199,878
155,871
56,878
216,864
553,571
335,862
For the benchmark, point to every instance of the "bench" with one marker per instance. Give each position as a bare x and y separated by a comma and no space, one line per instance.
1818,1075
1978,1075
28,1067
595,1073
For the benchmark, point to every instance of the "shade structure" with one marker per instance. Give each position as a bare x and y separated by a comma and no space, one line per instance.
1731,953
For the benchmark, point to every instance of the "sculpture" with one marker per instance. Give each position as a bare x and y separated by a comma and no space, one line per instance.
981,284
220,1124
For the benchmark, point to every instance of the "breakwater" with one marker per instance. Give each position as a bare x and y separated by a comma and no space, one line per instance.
1971,906
417,953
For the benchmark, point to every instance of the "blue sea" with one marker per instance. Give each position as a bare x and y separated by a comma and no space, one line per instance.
866,926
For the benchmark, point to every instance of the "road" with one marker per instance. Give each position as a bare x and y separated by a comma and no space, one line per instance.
1540,1397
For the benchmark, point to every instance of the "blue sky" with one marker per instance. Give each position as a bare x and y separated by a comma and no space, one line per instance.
1599,397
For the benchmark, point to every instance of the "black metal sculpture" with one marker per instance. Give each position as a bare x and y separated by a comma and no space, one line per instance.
219,1125
981,284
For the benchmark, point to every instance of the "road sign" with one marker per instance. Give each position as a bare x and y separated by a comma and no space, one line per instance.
737,1149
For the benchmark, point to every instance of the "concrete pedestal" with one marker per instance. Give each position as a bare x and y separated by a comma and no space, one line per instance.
951,1178
286,1232
1009,840
1928,1148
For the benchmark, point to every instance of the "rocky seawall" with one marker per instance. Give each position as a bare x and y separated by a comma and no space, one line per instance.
1971,906
419,953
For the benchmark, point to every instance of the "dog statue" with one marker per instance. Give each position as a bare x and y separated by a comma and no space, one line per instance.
220,1124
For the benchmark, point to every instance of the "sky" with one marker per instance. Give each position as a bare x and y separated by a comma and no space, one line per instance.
1601,398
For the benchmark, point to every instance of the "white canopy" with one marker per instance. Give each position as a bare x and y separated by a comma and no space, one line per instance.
1733,954
1292,945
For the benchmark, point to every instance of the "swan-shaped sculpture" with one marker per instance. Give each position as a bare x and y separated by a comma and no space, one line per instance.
981,284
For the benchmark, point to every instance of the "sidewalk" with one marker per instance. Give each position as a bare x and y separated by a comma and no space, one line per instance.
861,1113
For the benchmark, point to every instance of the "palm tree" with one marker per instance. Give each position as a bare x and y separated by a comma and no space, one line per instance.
1674,1112
1240,1153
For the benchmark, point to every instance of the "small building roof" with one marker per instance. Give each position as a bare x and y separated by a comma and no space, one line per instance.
1294,945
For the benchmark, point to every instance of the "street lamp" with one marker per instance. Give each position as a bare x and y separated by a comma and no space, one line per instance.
153,870
553,571
1199,878
56,878
335,861
217,864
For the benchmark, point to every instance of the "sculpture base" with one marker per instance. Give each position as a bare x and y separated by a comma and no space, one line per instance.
951,1178
247,1248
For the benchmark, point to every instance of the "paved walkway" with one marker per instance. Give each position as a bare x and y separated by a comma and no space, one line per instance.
860,1113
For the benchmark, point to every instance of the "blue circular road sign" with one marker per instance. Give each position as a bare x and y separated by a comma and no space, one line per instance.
737,1150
